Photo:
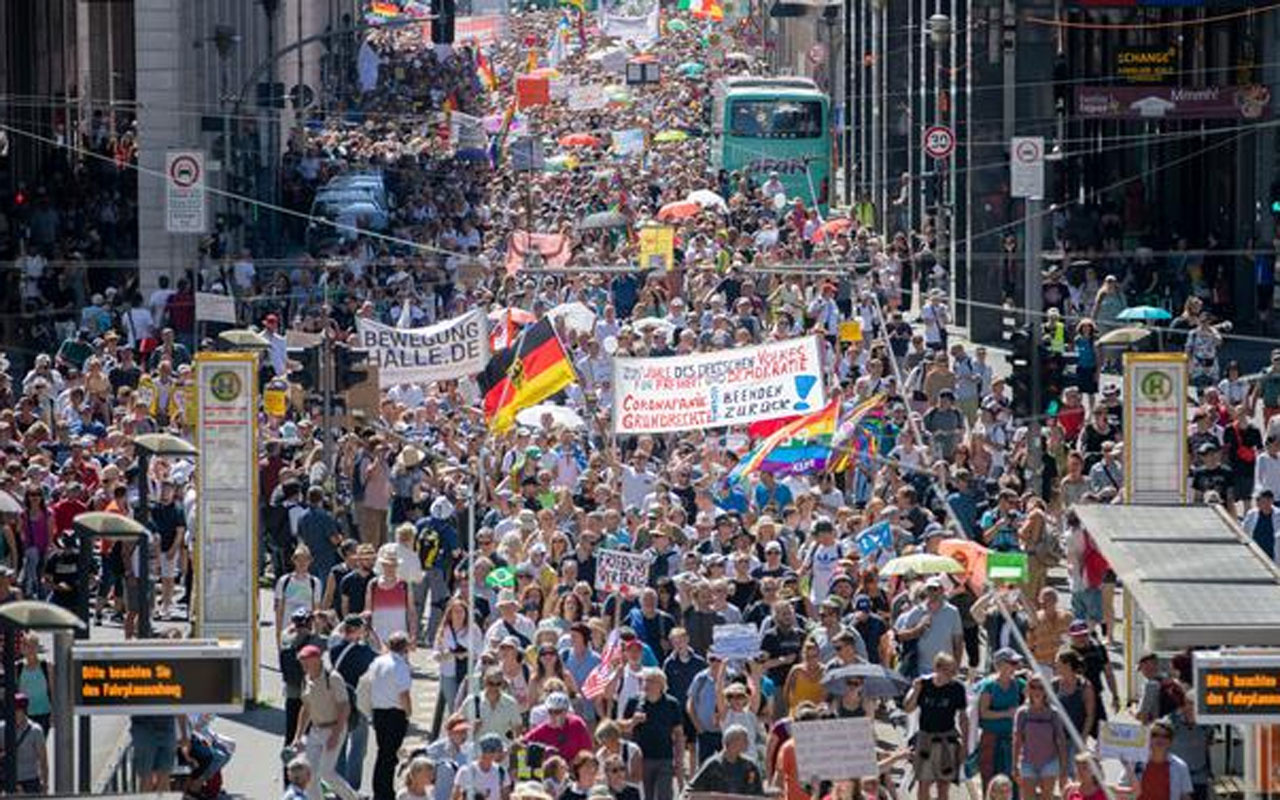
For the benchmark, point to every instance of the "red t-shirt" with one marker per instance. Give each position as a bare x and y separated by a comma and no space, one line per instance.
64,511
1155,782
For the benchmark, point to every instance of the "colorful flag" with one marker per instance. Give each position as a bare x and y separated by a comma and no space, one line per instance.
859,432
386,10
484,70
599,678
704,9
877,537
528,373
802,446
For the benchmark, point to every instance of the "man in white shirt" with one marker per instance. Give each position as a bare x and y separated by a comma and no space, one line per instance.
278,347
936,317
391,679
1266,473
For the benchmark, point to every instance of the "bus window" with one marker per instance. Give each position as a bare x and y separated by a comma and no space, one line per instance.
776,119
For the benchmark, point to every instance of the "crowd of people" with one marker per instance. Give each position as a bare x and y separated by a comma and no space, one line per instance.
548,688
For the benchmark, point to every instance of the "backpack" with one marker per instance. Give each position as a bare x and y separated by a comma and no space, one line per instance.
428,547
1171,698
290,668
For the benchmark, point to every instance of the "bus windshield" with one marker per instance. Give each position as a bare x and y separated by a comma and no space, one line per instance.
776,119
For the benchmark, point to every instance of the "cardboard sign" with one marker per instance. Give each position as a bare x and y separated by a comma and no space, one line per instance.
532,91
211,307
851,331
834,749
1123,740
735,642
619,571
1007,567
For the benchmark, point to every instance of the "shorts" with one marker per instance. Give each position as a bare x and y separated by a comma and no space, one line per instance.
1043,772
1086,604
169,564
153,748
938,757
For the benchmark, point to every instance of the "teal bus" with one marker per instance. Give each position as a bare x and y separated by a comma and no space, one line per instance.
782,125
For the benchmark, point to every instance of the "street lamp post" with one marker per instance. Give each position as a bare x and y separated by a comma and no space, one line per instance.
877,8
224,39
88,528
34,615
273,127
940,36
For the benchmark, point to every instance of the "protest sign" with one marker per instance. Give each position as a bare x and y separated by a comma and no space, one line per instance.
619,571
851,331
587,98
1007,567
834,749
657,247
467,133
719,389
1123,740
559,87
629,142
447,350
212,307
735,642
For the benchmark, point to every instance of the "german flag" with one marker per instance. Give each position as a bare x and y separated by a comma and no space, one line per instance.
535,368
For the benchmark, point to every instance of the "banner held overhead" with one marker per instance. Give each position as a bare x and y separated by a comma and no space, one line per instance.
447,350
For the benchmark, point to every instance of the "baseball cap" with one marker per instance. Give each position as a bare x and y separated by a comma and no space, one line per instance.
557,701
21,701
1078,628
353,622
492,743
300,615
862,603
310,651
1006,655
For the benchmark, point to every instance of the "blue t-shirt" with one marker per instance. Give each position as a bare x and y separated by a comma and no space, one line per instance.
1002,699
780,496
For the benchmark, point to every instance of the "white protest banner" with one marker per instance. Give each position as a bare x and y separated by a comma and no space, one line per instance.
1126,741
834,749
617,570
632,21
212,307
586,98
735,642
715,390
447,350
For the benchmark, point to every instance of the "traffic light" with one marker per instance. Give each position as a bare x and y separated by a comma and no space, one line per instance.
1274,196
348,367
442,24
1020,376
307,374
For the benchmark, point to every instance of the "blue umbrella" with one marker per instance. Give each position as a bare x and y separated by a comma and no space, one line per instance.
1145,313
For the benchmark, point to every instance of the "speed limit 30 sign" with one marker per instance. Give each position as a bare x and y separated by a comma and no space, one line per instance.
939,141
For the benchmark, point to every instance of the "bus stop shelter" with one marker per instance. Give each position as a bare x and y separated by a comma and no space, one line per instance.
1192,579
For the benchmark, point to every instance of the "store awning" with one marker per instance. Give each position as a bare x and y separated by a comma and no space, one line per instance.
1198,579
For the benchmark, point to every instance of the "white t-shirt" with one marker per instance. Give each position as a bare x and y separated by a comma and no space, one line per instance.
636,485
389,675
823,559
472,780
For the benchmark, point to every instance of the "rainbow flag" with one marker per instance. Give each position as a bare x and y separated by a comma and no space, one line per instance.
384,9
485,71
860,431
803,445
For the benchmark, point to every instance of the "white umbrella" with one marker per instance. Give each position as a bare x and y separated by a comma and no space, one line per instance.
644,325
576,316
550,415
707,199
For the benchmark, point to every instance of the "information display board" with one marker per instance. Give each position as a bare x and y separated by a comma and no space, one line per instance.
180,677
1237,688
1155,419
